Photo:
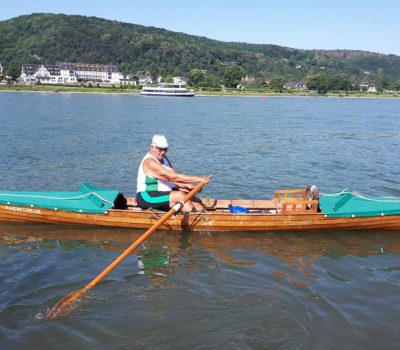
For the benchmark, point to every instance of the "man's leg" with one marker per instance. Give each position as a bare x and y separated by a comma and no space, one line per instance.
177,196
197,204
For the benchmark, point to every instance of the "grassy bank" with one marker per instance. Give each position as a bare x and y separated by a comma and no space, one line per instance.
296,93
213,92
60,88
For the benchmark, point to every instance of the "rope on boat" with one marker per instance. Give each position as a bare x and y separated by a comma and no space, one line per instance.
69,198
356,194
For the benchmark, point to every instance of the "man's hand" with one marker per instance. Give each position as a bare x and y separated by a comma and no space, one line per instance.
208,179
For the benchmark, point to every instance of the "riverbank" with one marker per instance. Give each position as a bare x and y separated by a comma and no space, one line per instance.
232,92
73,89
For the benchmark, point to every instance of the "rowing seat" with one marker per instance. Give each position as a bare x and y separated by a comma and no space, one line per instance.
131,202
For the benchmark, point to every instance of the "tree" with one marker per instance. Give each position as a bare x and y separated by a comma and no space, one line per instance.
277,83
14,70
345,85
212,81
397,85
196,76
318,82
334,84
167,79
154,72
232,76
258,82
387,85
379,80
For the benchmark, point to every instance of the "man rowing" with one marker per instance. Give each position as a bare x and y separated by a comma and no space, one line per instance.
159,186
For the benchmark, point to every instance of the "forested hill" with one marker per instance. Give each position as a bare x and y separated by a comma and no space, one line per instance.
47,38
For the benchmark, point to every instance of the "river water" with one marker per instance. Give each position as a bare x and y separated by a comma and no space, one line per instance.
185,290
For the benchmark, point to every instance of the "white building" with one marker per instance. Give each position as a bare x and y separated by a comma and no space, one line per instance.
295,85
69,73
368,87
129,80
145,79
93,71
180,80
46,74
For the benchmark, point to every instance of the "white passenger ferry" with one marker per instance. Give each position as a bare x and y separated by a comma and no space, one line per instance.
167,89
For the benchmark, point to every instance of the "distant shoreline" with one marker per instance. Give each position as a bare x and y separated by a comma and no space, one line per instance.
267,94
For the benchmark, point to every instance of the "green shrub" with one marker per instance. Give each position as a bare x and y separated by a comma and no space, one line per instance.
313,93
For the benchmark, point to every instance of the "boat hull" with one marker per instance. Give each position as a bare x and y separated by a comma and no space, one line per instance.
189,94
206,221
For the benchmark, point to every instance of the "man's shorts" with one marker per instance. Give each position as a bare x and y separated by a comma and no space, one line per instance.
156,200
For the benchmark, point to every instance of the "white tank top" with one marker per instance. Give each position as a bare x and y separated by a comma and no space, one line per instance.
146,183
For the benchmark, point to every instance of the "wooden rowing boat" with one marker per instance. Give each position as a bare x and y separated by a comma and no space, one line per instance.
297,209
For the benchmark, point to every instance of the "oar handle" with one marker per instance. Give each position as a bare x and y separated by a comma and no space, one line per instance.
142,238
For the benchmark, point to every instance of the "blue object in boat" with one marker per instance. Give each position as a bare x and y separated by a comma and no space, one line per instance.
235,209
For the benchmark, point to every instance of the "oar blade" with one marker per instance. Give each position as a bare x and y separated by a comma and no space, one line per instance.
67,304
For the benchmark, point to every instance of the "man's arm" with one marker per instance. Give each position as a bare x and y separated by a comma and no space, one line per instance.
184,187
153,168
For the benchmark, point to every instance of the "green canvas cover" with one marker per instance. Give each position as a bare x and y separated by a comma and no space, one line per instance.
90,199
349,203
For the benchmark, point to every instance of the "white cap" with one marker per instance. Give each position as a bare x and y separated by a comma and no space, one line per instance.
159,141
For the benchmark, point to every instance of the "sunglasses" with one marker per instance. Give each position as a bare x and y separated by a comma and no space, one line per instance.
165,150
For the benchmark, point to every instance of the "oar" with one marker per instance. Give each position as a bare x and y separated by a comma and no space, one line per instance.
67,304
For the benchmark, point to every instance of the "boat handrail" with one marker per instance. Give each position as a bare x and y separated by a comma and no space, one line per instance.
356,194
58,198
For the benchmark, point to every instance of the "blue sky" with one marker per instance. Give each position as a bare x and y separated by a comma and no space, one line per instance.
368,25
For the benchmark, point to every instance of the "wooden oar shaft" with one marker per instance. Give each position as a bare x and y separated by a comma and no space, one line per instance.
142,238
